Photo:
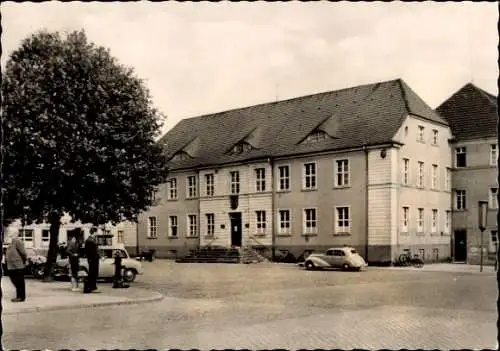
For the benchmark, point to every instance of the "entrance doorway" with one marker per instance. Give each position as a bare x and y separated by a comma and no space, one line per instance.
236,232
460,246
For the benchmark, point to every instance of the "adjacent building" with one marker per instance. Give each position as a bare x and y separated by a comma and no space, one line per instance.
368,166
473,117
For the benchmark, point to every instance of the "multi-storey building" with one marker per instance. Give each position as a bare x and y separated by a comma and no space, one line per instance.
473,117
367,166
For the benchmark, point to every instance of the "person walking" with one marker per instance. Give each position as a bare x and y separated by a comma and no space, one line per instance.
92,253
15,258
73,250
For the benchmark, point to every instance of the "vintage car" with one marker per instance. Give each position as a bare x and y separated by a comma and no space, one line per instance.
131,267
338,257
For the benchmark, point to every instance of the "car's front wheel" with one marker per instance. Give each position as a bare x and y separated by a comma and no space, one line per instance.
345,266
309,265
129,275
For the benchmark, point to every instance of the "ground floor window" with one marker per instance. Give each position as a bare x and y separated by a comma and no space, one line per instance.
152,229
342,220
45,237
210,224
192,225
284,220
492,247
310,221
26,235
261,221
172,226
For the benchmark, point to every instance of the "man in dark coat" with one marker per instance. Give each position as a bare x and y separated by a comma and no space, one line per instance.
92,253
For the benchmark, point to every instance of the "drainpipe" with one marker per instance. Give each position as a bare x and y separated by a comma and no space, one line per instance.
137,237
273,214
366,200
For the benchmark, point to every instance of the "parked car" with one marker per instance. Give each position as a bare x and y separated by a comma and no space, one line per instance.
338,257
131,267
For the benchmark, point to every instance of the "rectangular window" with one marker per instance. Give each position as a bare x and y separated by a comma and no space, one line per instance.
235,182
461,157
447,222
310,224
284,220
342,220
261,221
119,236
420,174
493,154
493,246
493,198
209,181
309,176
434,222
192,226
420,220
152,229
26,235
260,178
435,137
434,177
460,200
447,179
172,188
421,134
406,171
405,219
210,224
284,178
45,237
172,226
341,172
191,186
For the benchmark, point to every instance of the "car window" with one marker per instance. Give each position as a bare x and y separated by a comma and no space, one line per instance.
337,252
354,251
330,252
106,253
122,253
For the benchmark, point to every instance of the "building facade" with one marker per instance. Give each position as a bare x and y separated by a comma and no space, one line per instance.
473,117
368,167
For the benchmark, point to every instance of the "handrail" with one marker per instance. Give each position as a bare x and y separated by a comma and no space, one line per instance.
257,241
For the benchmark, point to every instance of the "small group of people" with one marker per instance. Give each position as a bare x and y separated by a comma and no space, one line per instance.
16,260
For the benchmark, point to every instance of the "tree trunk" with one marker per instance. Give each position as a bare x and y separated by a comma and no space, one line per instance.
55,224
2,234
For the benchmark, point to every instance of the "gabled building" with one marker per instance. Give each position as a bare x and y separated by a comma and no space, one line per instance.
473,117
367,166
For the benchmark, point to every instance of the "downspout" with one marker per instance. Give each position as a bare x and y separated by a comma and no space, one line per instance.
273,217
198,192
366,200
137,238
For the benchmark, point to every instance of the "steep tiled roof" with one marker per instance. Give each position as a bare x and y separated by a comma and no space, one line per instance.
471,112
363,115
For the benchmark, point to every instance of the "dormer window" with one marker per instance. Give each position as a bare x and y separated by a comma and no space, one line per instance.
316,136
241,148
180,156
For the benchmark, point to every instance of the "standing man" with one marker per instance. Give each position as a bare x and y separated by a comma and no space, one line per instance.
73,250
92,252
15,258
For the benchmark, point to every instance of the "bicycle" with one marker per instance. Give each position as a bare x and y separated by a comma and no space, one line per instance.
407,259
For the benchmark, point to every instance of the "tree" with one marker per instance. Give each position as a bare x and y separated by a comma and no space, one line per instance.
79,136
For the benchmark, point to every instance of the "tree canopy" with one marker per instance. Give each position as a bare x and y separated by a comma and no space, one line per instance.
79,133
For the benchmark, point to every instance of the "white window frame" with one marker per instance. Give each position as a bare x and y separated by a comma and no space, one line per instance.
152,227
283,179
421,173
172,189
421,134
342,170
284,225
312,176
462,150
120,236
210,224
234,182
447,222
420,220
405,219
462,195
173,223
310,226
447,179
342,224
260,222
260,179
493,198
45,241
192,226
493,154
406,172
209,184
191,187
435,137
26,238
493,237
434,221
434,177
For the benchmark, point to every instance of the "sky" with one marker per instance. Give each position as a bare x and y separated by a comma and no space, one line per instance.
201,58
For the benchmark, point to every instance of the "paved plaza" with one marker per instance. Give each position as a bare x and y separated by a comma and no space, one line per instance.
265,306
